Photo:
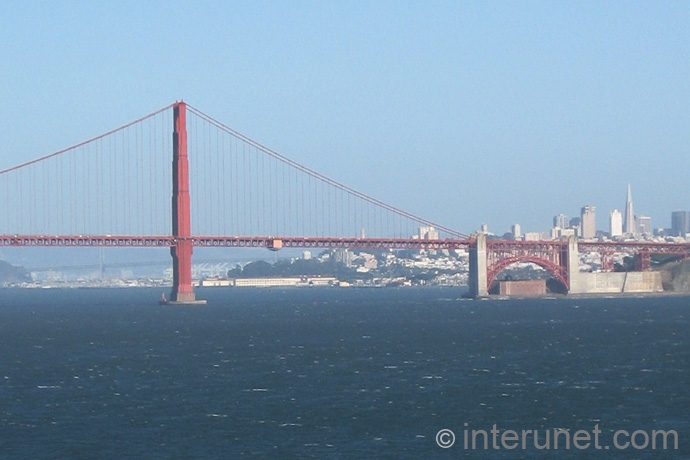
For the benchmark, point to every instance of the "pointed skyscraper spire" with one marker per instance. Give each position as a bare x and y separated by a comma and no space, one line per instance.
629,214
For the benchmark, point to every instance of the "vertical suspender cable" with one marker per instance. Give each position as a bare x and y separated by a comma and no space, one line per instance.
128,185
261,184
113,187
284,201
220,187
85,191
236,184
152,177
248,190
257,229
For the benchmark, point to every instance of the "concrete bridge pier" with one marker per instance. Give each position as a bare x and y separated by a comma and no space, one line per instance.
574,279
478,273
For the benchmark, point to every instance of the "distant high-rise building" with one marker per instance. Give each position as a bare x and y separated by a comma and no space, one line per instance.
428,233
575,224
515,229
344,256
680,223
643,224
629,224
567,232
588,222
560,221
535,236
558,232
616,220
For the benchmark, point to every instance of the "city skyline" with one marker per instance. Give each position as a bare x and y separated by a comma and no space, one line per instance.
614,225
461,112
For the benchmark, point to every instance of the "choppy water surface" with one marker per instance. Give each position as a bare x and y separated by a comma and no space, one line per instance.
332,373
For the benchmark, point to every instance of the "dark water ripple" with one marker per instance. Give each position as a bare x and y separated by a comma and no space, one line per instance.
319,373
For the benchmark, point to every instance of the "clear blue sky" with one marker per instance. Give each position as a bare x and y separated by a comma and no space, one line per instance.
461,112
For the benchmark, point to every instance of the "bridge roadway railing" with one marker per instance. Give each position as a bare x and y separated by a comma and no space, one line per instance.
645,249
500,248
634,247
87,240
270,242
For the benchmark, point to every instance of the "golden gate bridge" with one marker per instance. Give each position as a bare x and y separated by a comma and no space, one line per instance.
227,190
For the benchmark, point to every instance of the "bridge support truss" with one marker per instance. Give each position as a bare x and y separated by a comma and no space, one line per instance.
489,258
561,259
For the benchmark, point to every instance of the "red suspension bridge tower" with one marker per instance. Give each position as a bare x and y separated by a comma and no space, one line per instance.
181,251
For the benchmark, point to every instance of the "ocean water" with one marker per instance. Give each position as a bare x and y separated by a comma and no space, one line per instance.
334,373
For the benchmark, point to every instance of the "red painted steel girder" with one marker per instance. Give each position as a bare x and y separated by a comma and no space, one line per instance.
607,264
644,261
547,254
87,240
594,246
229,241
514,248
507,248
602,247
559,272
495,242
329,242
634,246
550,252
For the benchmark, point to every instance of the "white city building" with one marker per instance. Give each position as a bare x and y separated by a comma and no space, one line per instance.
616,223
